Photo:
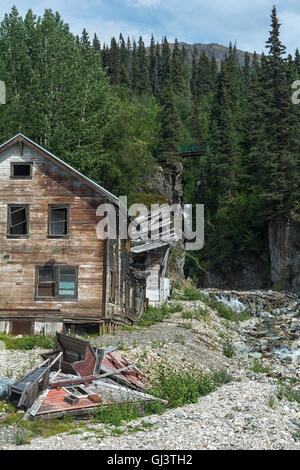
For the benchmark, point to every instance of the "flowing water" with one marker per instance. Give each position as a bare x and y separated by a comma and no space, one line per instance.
277,333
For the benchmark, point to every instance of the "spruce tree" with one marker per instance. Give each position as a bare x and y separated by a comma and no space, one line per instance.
171,127
281,163
177,70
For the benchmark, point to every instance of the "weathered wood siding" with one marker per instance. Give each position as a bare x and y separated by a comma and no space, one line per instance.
130,290
50,184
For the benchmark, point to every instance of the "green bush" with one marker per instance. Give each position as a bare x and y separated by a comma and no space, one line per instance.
154,315
228,349
27,342
222,377
175,308
181,387
192,294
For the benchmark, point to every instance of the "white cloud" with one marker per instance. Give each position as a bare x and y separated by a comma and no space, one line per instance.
144,3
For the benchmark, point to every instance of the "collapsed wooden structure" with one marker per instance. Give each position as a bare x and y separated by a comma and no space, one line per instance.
75,379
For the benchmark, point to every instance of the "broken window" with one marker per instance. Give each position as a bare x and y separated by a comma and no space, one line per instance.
78,391
18,217
59,282
58,221
21,170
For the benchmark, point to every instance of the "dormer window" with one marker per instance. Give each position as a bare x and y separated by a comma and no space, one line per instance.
21,170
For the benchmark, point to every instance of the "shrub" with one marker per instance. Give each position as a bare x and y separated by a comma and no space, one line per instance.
222,377
259,368
117,413
175,308
154,315
27,342
228,349
181,387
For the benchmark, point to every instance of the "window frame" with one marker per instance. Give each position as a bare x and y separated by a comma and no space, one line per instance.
21,177
58,206
56,277
9,221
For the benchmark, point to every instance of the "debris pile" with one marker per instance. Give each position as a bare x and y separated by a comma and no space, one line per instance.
75,378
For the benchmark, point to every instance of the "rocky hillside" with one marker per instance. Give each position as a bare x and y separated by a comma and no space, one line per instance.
219,50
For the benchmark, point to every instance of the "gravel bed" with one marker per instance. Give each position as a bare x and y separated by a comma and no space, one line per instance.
236,416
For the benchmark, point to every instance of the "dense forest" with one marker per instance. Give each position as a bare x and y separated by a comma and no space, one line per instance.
116,111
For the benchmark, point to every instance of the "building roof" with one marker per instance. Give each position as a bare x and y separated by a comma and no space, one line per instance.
22,138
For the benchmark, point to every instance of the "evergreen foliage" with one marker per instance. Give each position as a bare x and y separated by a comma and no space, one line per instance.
103,108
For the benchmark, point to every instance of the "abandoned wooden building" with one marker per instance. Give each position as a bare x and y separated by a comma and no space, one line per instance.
54,271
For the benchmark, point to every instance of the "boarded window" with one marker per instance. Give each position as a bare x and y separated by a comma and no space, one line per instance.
21,170
59,282
22,327
58,221
18,216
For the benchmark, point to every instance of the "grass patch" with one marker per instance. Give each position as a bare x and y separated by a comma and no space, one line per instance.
117,432
259,368
120,412
27,342
176,308
197,314
129,328
179,339
271,402
286,392
154,315
228,349
222,377
28,429
186,326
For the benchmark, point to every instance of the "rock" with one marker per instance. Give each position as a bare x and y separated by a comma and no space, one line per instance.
256,355
179,416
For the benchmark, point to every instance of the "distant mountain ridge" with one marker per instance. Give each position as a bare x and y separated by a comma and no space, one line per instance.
219,50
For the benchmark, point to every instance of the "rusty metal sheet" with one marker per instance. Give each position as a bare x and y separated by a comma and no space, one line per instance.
131,377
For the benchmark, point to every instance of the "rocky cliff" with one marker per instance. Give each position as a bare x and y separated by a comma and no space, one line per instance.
284,247
168,184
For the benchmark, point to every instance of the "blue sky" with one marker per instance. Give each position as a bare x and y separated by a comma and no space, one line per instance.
242,21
